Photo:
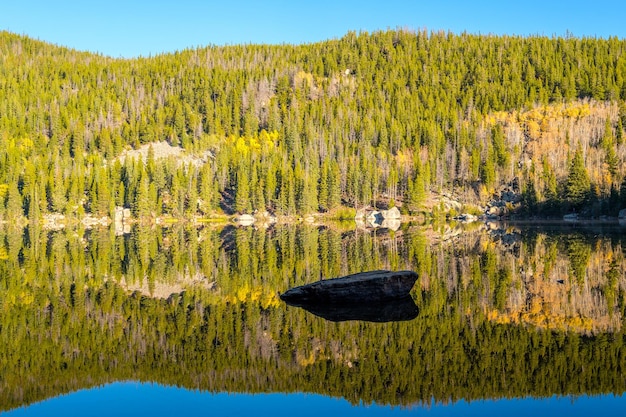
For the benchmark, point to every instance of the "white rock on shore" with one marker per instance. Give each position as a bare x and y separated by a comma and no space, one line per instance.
245,220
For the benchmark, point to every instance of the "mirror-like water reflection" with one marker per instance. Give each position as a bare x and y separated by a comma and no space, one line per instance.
402,309
503,312
132,399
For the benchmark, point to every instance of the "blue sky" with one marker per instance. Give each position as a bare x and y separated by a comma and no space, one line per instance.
129,28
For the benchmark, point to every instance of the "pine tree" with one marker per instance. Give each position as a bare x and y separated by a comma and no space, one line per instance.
612,161
578,183
56,192
488,171
271,186
622,193
322,187
499,146
417,191
334,186
529,197
14,202
120,195
141,204
549,180
207,190
242,190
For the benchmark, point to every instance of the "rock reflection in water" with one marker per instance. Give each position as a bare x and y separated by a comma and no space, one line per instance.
403,309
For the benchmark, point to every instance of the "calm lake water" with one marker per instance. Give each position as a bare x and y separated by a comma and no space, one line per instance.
512,319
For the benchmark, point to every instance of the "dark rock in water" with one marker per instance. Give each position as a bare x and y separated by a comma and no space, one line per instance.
402,309
373,286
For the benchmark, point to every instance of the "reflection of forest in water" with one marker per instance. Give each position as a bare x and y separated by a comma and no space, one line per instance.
504,312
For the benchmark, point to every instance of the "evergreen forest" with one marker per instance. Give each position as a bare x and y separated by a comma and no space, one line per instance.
371,119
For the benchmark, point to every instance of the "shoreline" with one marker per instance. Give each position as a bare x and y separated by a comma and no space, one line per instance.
57,221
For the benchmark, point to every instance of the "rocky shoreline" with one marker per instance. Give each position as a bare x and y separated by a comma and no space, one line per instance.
503,205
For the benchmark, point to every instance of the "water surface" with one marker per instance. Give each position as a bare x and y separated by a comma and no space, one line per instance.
509,318
132,399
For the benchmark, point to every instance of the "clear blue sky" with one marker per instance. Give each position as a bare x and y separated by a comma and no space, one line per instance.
131,28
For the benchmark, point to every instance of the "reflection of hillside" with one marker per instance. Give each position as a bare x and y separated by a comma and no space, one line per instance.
570,285
560,307
565,280
106,335
556,299
167,289
495,320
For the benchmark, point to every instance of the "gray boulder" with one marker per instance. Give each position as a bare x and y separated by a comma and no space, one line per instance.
392,213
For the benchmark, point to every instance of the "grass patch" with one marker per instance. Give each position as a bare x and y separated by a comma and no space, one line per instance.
213,220
342,213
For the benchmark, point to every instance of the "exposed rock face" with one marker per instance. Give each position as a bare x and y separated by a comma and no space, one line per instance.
365,287
163,149
495,211
92,221
262,219
392,213
245,220
53,221
122,220
466,218
391,224
504,202
375,218
447,203
58,221
389,219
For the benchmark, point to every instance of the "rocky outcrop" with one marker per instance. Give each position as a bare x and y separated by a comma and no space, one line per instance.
262,219
448,204
245,220
466,218
53,221
391,214
387,219
505,202
122,220
90,221
509,239
58,221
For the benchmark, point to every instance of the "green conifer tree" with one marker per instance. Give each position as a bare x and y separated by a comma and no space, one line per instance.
622,193
577,183
242,190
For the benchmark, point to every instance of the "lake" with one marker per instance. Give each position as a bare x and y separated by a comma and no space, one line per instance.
511,318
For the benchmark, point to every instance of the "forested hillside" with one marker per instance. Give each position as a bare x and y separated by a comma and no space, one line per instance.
389,116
